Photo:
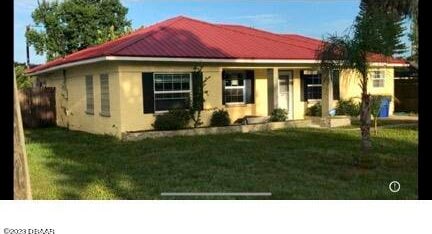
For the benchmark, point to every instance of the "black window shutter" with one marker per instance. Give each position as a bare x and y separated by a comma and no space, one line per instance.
223,87
250,86
148,93
197,90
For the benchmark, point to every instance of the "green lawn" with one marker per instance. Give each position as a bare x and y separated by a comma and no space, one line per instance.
291,164
385,122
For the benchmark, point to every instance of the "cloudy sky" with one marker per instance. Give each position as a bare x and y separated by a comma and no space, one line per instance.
314,18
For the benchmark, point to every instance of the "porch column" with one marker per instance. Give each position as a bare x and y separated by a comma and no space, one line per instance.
326,98
270,95
275,87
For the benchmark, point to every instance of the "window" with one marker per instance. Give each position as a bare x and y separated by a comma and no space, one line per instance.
335,82
378,79
238,87
312,84
89,94
283,85
105,101
284,80
234,91
172,90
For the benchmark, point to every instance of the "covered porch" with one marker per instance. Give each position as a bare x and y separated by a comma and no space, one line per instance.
257,91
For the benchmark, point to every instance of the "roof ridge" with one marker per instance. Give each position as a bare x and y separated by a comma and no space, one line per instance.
248,27
222,26
304,37
278,35
159,24
275,34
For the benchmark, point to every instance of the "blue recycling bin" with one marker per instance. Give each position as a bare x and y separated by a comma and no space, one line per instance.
384,108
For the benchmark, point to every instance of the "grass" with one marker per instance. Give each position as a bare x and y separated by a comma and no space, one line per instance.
291,164
411,113
386,122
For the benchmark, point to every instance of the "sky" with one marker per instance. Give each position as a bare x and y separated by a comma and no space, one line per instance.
314,18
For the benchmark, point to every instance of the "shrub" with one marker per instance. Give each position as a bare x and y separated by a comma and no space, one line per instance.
220,118
348,107
173,120
314,110
278,115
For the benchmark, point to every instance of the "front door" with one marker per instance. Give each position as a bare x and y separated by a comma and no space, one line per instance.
284,93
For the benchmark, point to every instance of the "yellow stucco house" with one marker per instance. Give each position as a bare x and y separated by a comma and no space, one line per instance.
120,86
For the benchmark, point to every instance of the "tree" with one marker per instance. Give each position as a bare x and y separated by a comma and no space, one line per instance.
382,28
23,81
402,8
414,30
414,40
195,106
72,25
351,52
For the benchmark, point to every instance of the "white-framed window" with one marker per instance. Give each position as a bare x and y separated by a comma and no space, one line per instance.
238,87
378,78
235,91
89,94
172,90
105,100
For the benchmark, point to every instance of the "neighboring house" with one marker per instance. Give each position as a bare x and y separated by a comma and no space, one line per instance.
121,85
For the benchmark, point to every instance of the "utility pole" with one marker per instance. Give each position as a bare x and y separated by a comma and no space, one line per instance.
27,47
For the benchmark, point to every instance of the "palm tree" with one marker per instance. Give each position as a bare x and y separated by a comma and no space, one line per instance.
377,29
349,53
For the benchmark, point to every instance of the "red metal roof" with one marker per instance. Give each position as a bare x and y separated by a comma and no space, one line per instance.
183,37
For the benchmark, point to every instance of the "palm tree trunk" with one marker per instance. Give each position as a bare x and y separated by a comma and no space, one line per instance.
365,123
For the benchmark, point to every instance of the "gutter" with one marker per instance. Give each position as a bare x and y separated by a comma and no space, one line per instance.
197,60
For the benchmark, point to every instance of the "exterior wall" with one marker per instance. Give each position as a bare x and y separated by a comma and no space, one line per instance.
349,85
131,94
261,94
71,105
299,105
126,94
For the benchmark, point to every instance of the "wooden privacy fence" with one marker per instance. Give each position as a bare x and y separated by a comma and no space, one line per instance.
406,91
38,107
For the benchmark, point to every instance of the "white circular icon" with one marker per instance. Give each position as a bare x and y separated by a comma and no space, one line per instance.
394,186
